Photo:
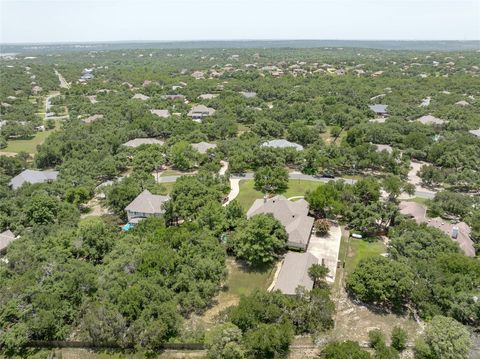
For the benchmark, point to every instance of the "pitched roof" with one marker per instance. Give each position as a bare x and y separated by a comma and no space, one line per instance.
143,141
201,110
32,176
462,103
418,213
248,94
203,147
207,96
431,120
161,113
378,108
294,272
292,215
282,144
381,148
6,238
147,203
475,132
139,96
93,118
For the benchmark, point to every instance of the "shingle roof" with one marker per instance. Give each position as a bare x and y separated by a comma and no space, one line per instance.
378,108
32,176
248,94
475,132
201,110
431,120
203,147
294,272
387,148
293,216
160,113
143,141
147,203
282,144
139,96
5,239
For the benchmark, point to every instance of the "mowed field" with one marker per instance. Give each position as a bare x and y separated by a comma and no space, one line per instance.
30,145
296,187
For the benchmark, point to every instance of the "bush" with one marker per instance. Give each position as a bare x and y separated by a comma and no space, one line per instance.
376,338
399,338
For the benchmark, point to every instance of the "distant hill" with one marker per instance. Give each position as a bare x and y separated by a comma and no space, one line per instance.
373,44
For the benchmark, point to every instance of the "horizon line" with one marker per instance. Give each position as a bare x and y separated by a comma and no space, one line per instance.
225,40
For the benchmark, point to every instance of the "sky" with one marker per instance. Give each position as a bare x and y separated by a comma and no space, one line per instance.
44,21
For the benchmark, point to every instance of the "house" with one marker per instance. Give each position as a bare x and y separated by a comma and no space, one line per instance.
161,113
144,206
136,142
198,75
459,232
6,238
294,273
93,118
475,132
173,97
200,111
431,120
32,176
380,110
462,103
139,96
248,94
293,216
282,144
381,148
207,96
203,147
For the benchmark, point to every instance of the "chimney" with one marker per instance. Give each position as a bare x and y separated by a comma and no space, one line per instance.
455,232
265,199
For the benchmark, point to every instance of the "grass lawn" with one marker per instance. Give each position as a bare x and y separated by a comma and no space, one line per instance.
167,188
360,249
295,188
30,146
172,173
424,201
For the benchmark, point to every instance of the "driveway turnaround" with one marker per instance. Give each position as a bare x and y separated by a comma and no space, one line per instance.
326,250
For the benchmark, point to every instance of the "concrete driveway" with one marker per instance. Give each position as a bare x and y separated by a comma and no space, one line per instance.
327,249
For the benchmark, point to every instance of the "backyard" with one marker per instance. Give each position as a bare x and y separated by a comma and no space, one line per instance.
30,145
295,188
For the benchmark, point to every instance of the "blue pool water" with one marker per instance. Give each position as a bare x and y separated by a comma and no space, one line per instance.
127,227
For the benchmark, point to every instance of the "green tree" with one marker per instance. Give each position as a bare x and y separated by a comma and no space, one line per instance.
260,240
317,273
225,341
447,338
399,338
269,340
271,179
41,208
394,186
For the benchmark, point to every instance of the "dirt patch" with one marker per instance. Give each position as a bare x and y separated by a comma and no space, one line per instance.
96,209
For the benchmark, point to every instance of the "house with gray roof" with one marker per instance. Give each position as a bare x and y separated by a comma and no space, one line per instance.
248,94
173,97
203,147
200,111
139,96
161,113
136,142
381,148
475,132
294,273
207,96
146,205
282,144
32,176
379,109
292,215
431,120
6,238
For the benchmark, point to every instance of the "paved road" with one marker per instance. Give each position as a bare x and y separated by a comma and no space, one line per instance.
299,176
63,82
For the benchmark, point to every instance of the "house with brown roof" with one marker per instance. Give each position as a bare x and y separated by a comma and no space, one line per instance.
292,215
294,273
459,232
146,205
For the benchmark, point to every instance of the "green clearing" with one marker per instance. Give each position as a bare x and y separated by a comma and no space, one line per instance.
243,281
172,173
167,188
360,249
30,145
295,188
